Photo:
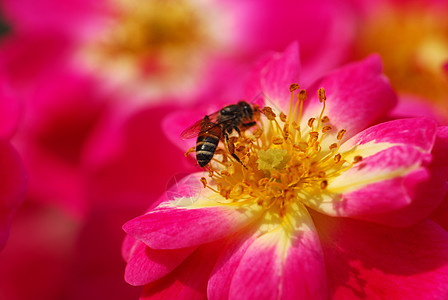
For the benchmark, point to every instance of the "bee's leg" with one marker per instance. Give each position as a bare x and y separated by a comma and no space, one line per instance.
248,125
237,130
231,148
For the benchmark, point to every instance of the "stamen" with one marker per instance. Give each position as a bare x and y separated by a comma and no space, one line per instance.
333,146
293,87
341,134
282,117
277,140
270,115
322,97
337,158
282,165
225,173
192,149
321,94
310,122
204,182
357,159
323,184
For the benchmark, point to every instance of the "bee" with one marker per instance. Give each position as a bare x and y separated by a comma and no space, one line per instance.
218,126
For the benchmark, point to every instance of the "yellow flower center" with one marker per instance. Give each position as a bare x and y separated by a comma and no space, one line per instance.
153,44
283,162
413,43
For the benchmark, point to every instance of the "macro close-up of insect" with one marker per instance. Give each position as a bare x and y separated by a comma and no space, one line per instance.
218,126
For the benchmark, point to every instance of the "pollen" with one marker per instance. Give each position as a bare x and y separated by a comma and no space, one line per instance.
285,159
272,159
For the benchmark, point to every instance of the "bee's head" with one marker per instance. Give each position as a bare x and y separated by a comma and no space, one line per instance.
248,112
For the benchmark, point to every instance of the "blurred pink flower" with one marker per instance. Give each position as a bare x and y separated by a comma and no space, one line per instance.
323,208
412,39
157,48
13,179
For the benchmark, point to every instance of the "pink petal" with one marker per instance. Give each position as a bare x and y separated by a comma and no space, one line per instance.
253,85
440,214
285,263
413,106
190,220
395,186
266,272
146,265
272,76
368,261
417,132
441,146
381,183
189,280
171,227
10,108
426,197
222,275
12,187
357,95
48,15
259,273
304,269
128,247
280,72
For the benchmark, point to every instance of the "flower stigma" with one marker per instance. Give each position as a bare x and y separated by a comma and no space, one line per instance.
286,159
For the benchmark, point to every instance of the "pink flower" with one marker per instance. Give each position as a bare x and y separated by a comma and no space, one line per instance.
13,179
411,37
158,48
325,206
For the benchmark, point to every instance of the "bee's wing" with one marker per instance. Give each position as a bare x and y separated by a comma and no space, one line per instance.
200,126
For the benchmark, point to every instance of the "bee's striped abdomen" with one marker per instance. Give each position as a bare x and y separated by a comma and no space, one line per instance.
206,145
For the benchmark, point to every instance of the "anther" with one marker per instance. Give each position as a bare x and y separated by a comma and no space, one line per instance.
333,146
282,117
314,135
277,140
341,134
325,119
357,159
302,95
302,146
294,87
225,173
323,184
258,133
322,95
263,181
326,128
286,131
310,122
337,157
321,174
269,113
204,182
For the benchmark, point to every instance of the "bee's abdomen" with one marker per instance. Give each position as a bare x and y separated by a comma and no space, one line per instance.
205,148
